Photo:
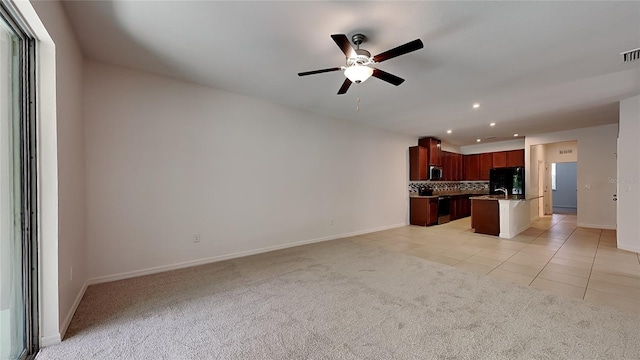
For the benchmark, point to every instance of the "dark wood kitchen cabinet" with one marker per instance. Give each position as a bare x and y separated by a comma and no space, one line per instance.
458,166
485,217
434,147
453,167
471,167
418,163
447,166
486,163
511,158
424,211
499,159
460,207
515,158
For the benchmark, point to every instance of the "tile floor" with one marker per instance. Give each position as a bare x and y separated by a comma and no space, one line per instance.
553,254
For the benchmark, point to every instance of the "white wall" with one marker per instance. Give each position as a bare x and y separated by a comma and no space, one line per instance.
554,155
493,147
167,159
445,146
596,166
68,249
628,179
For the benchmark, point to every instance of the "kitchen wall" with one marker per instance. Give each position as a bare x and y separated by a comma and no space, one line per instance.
596,168
168,159
628,177
445,146
492,147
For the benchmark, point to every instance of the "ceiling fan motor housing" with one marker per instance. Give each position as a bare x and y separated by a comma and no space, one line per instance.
362,58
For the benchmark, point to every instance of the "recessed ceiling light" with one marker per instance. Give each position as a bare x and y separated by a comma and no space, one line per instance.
449,131
476,105
492,124
478,140
515,135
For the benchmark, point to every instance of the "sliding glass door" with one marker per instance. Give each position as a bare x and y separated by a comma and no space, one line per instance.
16,211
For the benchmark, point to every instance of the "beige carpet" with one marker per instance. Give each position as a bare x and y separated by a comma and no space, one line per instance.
338,300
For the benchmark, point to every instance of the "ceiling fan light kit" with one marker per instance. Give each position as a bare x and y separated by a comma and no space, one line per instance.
357,69
358,73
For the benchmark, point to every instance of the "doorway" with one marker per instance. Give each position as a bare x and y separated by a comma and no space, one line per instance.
544,162
564,183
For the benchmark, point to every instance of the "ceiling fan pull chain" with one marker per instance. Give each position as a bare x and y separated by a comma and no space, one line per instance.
358,99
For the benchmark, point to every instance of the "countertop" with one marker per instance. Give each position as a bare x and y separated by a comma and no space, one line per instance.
451,193
499,197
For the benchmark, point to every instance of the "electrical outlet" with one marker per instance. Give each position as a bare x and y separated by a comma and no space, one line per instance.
196,238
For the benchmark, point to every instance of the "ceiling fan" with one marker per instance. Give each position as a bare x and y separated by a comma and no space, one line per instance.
358,61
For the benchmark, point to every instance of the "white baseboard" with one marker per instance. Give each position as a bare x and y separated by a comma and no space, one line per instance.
186,264
597,226
50,340
72,311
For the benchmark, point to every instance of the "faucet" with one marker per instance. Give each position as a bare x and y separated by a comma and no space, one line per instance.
506,192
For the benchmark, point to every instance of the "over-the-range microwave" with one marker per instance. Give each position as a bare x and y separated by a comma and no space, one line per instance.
435,173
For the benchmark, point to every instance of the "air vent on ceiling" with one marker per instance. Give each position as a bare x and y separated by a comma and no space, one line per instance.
631,55
490,137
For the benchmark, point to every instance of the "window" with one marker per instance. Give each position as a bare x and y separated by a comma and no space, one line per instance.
553,176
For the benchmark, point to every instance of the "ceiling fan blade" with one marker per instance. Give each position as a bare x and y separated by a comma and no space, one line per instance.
344,87
400,50
318,71
390,78
344,44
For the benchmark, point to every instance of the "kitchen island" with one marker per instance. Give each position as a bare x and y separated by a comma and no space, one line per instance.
500,216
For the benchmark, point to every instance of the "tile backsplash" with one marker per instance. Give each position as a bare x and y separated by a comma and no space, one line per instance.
440,186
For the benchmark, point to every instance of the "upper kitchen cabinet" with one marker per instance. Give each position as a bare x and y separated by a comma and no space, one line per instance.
418,163
486,163
447,166
499,159
457,166
453,166
471,165
435,151
515,158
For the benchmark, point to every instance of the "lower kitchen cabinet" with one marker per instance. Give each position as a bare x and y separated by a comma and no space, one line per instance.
460,206
485,217
424,211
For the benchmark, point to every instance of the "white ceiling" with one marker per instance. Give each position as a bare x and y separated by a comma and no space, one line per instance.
534,67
